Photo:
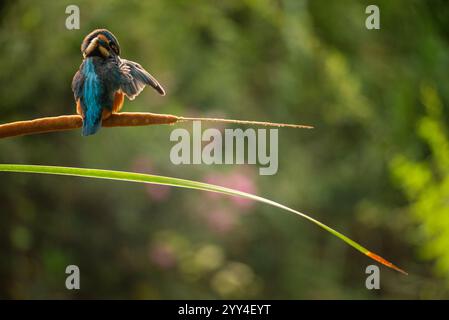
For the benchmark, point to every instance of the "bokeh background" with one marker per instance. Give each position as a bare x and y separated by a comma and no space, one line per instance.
376,167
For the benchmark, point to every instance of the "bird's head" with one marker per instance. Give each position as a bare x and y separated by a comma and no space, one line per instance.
101,43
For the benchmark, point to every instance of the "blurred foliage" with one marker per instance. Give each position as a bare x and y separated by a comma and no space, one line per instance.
426,182
375,167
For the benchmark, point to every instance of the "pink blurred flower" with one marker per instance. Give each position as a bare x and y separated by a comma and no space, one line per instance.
157,193
217,179
220,221
142,164
239,179
163,256
243,183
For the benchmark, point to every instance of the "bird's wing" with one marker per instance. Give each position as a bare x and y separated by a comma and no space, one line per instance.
77,85
134,78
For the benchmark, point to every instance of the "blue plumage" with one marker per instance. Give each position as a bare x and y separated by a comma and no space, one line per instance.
103,79
91,99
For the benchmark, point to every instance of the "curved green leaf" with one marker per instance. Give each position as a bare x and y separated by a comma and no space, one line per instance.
182,183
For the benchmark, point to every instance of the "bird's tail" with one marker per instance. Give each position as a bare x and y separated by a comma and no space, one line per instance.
91,121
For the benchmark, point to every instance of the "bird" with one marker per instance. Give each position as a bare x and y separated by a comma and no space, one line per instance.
104,78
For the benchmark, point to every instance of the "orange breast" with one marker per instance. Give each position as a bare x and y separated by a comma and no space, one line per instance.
79,110
119,98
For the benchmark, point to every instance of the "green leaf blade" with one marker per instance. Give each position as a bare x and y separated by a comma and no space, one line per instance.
183,183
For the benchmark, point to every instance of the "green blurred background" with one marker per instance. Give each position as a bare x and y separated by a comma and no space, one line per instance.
376,167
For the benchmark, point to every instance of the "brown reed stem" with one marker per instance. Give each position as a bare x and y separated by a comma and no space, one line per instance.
123,119
248,122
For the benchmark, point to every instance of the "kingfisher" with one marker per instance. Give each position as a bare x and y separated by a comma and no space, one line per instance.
103,80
